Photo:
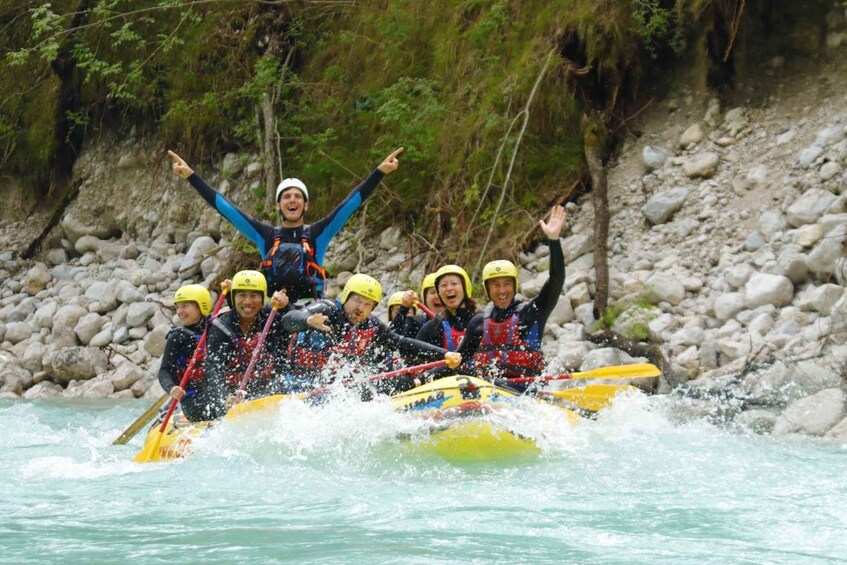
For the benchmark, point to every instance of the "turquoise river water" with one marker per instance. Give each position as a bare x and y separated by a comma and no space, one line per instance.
332,485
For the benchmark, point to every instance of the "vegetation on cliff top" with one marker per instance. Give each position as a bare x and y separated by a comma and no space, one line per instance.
487,96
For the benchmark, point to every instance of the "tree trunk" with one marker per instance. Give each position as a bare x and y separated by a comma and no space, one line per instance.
68,136
593,143
268,146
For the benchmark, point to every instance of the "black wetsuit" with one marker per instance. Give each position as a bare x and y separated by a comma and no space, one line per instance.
434,330
179,349
228,355
369,348
403,324
263,234
531,321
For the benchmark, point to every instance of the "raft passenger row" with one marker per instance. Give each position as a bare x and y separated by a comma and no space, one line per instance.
271,343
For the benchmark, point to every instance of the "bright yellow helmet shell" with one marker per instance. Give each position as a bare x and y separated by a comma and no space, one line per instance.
500,268
195,293
396,299
250,280
428,282
454,270
364,285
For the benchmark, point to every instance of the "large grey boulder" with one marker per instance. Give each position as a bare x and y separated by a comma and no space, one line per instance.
104,295
100,222
75,363
813,415
190,264
810,207
765,288
663,205
702,165
13,377
36,279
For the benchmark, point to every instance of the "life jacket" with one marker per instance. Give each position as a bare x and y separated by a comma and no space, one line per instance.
294,267
503,353
311,351
184,359
452,336
238,362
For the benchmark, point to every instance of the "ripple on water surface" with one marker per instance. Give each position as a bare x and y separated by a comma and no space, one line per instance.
332,485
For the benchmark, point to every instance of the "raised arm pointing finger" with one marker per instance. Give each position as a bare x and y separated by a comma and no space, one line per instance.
180,167
391,163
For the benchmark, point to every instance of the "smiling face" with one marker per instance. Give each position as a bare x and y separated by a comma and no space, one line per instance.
248,303
292,205
501,290
358,308
451,292
188,313
432,301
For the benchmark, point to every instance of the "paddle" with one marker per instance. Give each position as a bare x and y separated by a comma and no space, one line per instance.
593,397
148,453
429,313
254,358
416,368
388,375
141,421
637,371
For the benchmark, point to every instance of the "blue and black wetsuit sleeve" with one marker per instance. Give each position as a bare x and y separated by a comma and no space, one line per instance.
260,233
326,228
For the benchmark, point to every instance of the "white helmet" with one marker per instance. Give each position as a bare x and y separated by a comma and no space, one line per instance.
292,183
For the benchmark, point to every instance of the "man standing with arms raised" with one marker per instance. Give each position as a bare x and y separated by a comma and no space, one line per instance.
293,253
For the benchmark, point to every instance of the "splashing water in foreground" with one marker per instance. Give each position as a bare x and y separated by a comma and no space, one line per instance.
334,484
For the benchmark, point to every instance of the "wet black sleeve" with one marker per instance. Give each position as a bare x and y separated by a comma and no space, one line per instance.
214,386
541,306
170,362
410,348
432,332
295,319
407,326
472,338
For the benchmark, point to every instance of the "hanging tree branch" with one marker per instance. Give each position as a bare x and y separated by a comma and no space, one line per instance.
506,180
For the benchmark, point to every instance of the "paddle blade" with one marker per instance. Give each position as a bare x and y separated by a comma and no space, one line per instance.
150,451
637,371
140,422
591,397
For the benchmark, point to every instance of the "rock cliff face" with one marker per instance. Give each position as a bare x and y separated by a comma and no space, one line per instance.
726,239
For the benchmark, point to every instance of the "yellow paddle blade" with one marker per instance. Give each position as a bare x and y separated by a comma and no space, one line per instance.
150,451
591,397
260,405
637,371
141,421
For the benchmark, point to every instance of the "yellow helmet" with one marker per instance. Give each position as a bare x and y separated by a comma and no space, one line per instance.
501,268
195,293
455,270
427,282
396,299
364,285
250,280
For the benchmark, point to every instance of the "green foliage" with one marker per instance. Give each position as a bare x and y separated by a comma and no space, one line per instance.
446,80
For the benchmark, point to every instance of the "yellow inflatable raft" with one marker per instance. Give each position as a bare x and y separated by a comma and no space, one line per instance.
457,411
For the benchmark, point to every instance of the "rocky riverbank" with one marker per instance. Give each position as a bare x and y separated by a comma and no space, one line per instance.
726,239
